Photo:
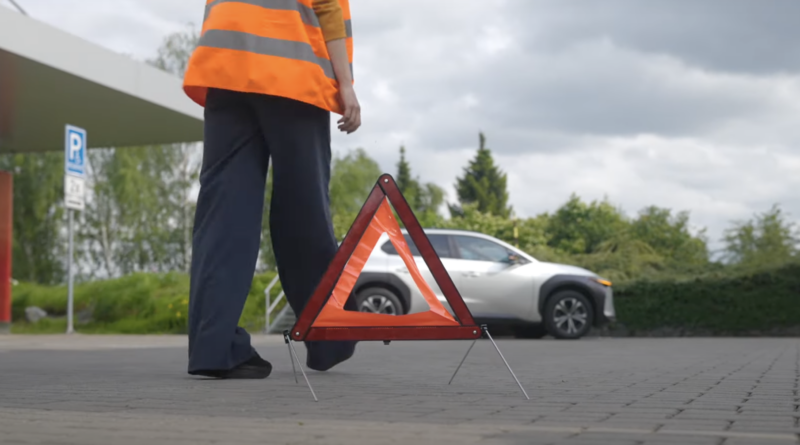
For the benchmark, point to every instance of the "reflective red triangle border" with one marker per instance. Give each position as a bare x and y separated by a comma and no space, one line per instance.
385,188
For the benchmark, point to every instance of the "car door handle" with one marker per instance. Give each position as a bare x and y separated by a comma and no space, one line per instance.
401,270
470,274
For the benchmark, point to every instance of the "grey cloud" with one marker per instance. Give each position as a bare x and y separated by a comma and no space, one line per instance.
592,87
174,11
729,35
622,94
518,99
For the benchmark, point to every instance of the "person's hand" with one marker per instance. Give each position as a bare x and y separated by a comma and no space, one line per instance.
351,115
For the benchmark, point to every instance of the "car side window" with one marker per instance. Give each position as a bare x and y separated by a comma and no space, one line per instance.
441,244
479,249
388,247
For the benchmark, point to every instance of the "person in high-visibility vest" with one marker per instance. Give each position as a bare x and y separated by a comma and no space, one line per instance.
269,74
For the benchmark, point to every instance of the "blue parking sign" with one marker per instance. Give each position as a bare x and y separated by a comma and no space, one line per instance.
75,151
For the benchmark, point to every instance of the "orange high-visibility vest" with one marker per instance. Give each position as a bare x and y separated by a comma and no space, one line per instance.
273,47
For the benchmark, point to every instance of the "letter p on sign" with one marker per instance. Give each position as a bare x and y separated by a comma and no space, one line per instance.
75,146
75,151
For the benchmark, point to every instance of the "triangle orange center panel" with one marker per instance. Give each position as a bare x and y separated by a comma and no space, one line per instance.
333,313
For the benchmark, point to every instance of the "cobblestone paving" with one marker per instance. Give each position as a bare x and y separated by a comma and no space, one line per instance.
593,391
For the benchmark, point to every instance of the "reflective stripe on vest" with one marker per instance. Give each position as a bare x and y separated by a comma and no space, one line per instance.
265,46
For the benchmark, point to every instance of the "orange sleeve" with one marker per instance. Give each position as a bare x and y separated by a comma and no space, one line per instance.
331,19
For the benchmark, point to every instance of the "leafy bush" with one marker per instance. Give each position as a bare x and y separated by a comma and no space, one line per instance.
134,304
757,301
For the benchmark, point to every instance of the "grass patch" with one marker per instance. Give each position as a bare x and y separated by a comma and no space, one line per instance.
134,304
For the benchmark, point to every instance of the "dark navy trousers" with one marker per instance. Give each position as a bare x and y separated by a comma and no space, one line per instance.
242,133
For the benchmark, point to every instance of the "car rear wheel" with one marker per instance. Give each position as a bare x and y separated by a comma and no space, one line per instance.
377,300
568,315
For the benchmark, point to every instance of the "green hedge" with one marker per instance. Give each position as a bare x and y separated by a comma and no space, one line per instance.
721,303
134,304
755,302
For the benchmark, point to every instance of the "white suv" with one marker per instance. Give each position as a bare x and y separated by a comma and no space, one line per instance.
502,286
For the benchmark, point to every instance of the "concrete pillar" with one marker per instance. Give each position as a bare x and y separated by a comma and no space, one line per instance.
6,221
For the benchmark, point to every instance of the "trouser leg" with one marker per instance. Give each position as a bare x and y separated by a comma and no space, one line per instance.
227,232
298,135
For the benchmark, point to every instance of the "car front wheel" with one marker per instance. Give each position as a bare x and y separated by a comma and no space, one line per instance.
568,315
377,300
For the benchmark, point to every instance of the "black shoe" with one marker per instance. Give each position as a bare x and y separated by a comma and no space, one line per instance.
324,355
255,368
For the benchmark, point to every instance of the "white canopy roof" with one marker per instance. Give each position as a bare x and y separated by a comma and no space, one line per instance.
49,78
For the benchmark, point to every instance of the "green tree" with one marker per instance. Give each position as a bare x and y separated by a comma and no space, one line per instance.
428,204
38,251
425,199
132,220
767,239
352,178
531,231
622,258
140,210
266,255
98,233
405,181
579,228
173,57
483,184
668,234
176,49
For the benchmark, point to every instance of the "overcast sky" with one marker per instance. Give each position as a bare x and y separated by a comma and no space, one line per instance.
691,105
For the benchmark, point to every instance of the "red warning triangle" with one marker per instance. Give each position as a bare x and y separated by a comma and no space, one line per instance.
324,317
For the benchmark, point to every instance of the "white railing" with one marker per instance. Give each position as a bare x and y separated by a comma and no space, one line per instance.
270,306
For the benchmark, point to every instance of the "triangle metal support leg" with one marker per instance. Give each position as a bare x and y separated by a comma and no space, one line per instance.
286,339
462,361
294,357
489,336
486,331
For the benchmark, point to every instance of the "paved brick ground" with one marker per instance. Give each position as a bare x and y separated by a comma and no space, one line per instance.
104,390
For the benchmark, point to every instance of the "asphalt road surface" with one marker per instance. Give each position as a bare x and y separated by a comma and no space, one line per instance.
134,390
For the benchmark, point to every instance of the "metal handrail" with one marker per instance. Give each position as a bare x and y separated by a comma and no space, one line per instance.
271,306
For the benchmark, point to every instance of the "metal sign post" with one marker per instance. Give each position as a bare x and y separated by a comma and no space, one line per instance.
74,194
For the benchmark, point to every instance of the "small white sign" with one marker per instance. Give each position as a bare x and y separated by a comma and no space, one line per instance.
74,192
